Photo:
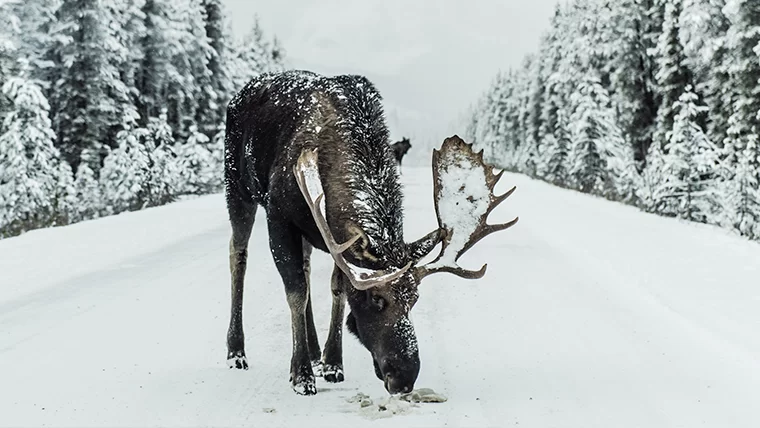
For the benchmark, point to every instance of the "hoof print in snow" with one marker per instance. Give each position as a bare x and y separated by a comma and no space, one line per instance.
317,368
237,360
333,373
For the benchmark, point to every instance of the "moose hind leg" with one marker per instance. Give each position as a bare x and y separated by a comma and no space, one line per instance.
242,215
332,369
287,250
311,330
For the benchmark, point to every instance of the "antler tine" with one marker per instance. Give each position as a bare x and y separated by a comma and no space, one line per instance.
493,179
424,271
361,279
485,231
497,200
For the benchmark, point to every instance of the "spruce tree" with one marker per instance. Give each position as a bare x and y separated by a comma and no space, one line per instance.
125,172
65,201
672,76
164,178
88,195
691,162
28,158
743,68
628,37
88,97
213,106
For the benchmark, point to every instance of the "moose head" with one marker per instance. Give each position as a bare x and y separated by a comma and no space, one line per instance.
382,294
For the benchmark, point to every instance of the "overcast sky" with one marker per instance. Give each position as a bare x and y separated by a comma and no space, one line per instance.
430,59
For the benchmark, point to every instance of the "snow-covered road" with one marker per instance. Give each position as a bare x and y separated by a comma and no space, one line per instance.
592,314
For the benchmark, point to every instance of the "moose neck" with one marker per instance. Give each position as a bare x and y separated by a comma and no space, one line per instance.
362,189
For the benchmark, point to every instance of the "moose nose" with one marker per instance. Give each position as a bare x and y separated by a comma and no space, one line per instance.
395,385
397,378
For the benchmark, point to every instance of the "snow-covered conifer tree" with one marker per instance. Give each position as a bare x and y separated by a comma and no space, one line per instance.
28,158
690,165
88,196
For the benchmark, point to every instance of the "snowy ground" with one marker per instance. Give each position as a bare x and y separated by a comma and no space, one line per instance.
592,314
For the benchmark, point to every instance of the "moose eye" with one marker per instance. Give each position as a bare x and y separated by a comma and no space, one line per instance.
378,302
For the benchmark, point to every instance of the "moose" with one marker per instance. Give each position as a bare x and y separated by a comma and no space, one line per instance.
313,152
400,149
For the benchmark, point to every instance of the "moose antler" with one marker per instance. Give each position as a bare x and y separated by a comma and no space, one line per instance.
307,176
463,187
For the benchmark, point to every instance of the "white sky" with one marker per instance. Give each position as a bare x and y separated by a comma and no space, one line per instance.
430,59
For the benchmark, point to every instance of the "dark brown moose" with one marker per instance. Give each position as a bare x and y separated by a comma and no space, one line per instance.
313,152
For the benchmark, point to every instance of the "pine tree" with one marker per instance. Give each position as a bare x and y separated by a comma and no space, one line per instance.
174,73
587,168
194,62
211,111
504,125
156,66
673,76
217,149
89,198
557,150
32,35
716,86
552,101
629,36
488,117
88,97
9,24
255,55
526,147
125,172
600,161
65,199
200,166
128,28
28,159
164,173
743,69
535,106
741,193
654,194
691,163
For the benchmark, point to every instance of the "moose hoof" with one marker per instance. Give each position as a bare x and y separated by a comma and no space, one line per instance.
305,386
237,360
317,368
333,373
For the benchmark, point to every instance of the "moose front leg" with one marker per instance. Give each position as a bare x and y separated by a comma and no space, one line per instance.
287,249
332,369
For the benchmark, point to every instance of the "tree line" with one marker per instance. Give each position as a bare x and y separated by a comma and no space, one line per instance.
655,103
118,105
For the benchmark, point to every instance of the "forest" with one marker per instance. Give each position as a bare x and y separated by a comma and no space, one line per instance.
113,106
653,103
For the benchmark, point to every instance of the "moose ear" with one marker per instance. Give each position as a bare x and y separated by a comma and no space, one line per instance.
423,246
